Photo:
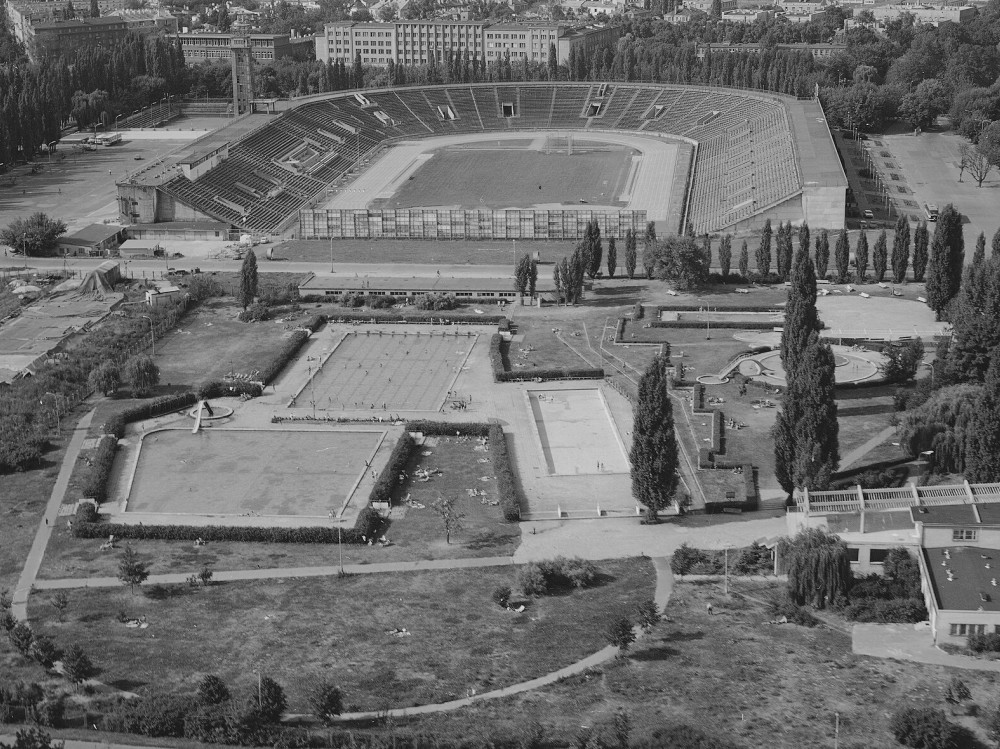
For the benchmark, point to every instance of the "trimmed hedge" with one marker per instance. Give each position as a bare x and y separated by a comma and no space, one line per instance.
639,312
506,482
288,351
96,486
419,317
88,525
158,407
716,431
743,325
698,398
620,330
222,389
387,480
450,428
738,308
553,374
496,358
750,485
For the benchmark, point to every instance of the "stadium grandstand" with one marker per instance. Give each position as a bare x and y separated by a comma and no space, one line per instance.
755,154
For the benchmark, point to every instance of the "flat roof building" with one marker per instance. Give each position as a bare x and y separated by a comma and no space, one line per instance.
65,38
933,15
199,46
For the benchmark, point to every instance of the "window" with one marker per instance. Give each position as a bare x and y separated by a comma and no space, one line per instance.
878,556
852,554
961,630
965,534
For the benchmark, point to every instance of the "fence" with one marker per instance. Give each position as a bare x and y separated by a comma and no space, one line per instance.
484,223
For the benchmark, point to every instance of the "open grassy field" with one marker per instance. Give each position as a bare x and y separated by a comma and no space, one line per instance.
416,533
459,638
210,342
504,178
737,678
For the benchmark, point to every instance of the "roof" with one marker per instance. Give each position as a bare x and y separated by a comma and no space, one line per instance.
415,284
182,226
973,583
958,514
92,234
113,21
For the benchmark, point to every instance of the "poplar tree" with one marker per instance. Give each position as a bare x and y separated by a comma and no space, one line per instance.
822,254
842,256
817,433
920,242
982,452
630,254
861,256
801,319
764,250
880,257
248,279
975,322
725,255
901,249
995,244
744,262
804,235
944,277
784,250
612,257
980,252
653,456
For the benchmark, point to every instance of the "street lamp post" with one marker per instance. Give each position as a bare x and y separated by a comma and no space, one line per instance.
117,116
55,401
24,245
152,336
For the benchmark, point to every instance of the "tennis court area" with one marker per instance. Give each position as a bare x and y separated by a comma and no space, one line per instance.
576,432
381,370
255,472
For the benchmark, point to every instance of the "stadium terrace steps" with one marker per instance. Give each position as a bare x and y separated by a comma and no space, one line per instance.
745,161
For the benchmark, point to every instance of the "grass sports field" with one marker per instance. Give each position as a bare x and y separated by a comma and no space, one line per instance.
486,177
232,472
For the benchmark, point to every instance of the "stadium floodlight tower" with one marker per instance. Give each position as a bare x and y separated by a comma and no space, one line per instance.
242,75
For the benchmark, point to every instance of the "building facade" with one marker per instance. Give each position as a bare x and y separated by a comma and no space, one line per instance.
200,46
424,41
820,51
54,38
933,15
145,20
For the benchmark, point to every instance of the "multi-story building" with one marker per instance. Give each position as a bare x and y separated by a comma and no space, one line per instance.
933,15
53,38
586,40
747,15
147,20
820,51
416,42
705,6
199,46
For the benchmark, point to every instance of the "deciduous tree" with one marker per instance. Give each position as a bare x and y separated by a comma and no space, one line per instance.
725,255
248,280
982,457
744,261
105,377
842,256
620,634
861,256
77,667
880,256
612,257
132,570
822,262
681,260
325,699
142,374
451,518
630,253
818,565
36,236
901,249
653,456
944,277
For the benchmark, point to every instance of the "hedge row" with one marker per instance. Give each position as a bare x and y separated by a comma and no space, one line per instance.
96,486
698,398
387,480
620,330
449,428
740,308
287,352
639,312
716,432
157,407
88,525
422,318
222,389
750,485
506,483
694,324
500,373
496,358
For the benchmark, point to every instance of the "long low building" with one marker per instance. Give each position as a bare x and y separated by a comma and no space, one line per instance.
463,289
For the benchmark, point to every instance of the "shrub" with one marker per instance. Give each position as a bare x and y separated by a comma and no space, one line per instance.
926,728
50,712
366,526
212,690
540,578
501,595
158,407
202,287
222,389
381,301
754,560
389,478
256,312
897,610
984,643
157,716
638,312
787,608
684,559
96,485
530,580
436,302
504,468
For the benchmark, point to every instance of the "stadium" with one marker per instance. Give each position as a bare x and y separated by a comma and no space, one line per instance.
503,161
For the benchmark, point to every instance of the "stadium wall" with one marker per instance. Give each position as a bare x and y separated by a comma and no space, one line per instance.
418,223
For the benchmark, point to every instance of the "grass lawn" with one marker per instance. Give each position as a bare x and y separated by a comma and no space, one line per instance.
505,178
210,342
416,534
460,639
737,678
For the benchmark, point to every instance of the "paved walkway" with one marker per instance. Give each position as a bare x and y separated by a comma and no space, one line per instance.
664,587
34,560
274,573
853,456
911,642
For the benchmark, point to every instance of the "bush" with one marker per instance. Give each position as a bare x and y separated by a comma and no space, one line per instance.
897,610
506,482
787,608
501,595
420,317
754,560
540,578
985,643
638,312
684,559
386,301
50,712
926,728
202,287
158,407
157,716
366,527
436,302
222,389
256,312
496,358
96,485
389,478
